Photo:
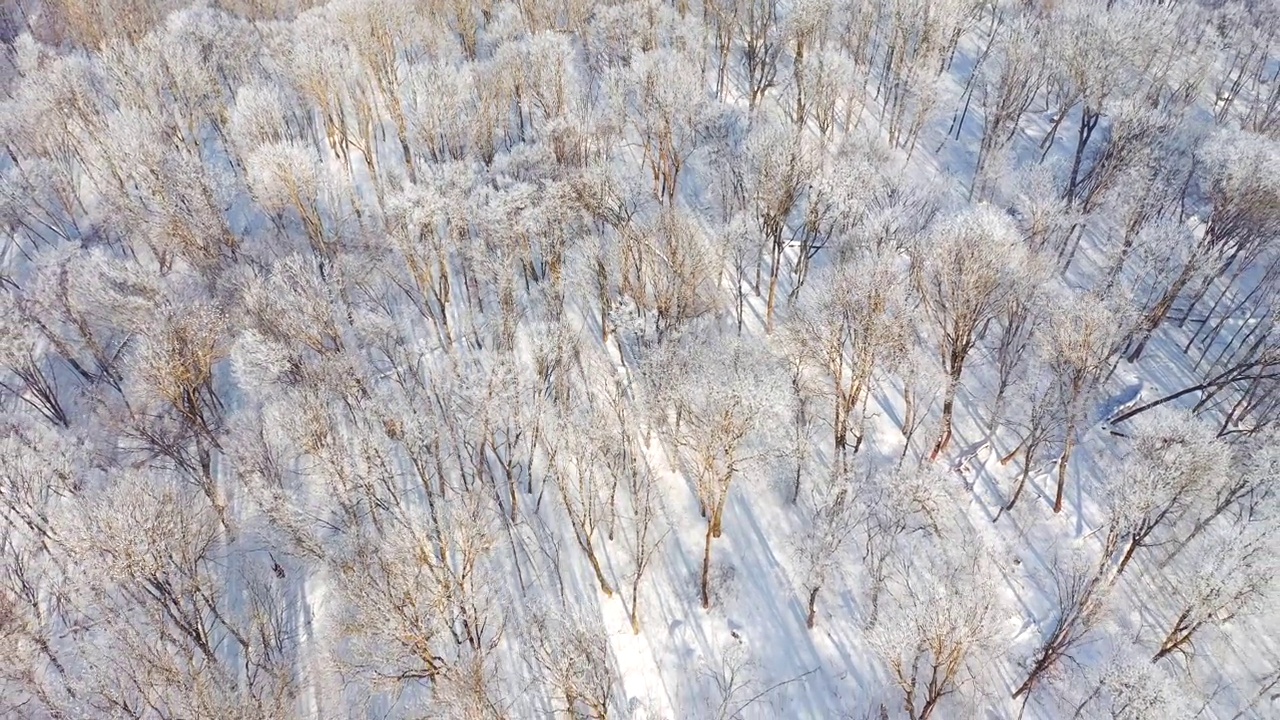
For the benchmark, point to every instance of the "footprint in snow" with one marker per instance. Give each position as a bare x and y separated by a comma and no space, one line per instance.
735,629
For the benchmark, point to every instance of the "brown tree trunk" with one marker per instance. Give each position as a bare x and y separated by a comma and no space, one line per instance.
1062,467
635,604
706,570
595,567
773,290
1178,637
1022,483
813,608
717,514
948,408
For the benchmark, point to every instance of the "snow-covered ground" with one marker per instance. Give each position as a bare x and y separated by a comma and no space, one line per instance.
538,360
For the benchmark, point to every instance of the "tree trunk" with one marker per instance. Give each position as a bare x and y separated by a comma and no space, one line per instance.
595,567
948,408
773,290
1022,483
1160,311
706,570
635,604
1179,636
1062,466
717,514
798,70
1088,121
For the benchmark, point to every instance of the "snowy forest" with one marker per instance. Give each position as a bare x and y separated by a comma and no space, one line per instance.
651,359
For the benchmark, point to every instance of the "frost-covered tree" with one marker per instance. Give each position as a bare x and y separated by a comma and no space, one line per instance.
822,545
385,37
342,343
669,111
845,190
1175,467
940,625
923,384
895,506
1095,60
1127,688
1080,339
573,654
777,164
417,616
289,180
1034,418
37,672
175,615
1019,323
1243,210
722,407
916,42
762,46
967,270
29,373
583,482
647,525
1010,81
1080,598
828,90
1233,575
850,324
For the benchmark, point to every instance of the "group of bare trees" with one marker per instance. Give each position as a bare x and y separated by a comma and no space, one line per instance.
348,349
